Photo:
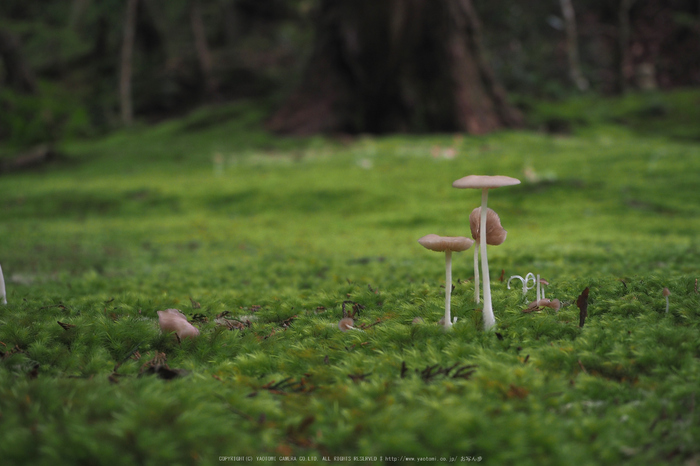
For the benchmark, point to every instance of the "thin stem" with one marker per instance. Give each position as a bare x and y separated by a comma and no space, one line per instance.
538,287
476,273
489,319
666,304
529,276
3,294
448,288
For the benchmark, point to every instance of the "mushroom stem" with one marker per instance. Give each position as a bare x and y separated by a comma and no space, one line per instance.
529,276
476,273
538,288
519,278
489,319
2,287
448,288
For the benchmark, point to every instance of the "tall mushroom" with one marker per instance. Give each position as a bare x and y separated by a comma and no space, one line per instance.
666,294
446,244
495,235
485,182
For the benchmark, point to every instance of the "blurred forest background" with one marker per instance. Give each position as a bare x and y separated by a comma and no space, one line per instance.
80,68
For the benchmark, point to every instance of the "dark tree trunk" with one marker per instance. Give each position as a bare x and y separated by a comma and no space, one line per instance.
622,55
126,63
17,73
203,55
575,73
396,65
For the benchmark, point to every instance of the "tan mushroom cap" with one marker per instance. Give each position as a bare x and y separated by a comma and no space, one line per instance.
485,181
346,324
446,243
495,234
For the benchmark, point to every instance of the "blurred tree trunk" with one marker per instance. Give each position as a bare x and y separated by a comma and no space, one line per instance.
78,9
127,63
203,54
18,74
396,65
567,9
624,61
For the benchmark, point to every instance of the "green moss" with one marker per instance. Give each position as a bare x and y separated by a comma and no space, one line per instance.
286,231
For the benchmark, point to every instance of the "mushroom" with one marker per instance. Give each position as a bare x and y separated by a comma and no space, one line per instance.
536,280
347,323
495,235
541,281
666,294
485,183
172,320
554,304
2,287
446,244
544,302
525,281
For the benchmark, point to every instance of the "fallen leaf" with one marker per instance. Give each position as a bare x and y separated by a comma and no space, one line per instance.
582,303
517,392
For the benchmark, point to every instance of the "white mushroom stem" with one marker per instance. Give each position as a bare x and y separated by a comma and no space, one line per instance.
448,288
2,287
519,278
538,288
524,281
476,273
489,319
528,277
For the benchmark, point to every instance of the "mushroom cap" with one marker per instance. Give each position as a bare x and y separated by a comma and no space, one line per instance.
535,305
446,243
666,292
495,233
346,324
485,181
172,320
554,304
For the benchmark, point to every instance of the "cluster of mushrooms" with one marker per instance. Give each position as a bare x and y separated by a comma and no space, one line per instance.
482,219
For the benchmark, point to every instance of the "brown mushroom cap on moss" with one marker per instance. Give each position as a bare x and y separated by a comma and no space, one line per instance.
446,243
484,182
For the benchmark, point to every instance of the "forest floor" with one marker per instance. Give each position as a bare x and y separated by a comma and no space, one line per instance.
264,241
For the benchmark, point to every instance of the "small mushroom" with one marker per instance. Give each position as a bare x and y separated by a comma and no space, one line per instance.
666,294
172,320
525,281
3,294
554,304
495,235
485,183
544,302
540,286
446,244
347,323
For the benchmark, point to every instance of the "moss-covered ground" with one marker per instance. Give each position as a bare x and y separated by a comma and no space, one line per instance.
212,216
